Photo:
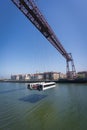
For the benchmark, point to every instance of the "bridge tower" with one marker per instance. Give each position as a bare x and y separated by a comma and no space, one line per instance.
70,72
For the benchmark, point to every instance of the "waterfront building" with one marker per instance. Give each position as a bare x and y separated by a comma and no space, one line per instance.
51,75
38,76
17,77
62,76
82,74
27,77
13,77
55,75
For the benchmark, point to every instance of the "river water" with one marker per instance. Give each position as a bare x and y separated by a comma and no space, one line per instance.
61,108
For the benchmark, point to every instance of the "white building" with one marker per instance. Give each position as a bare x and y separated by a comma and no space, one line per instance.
27,77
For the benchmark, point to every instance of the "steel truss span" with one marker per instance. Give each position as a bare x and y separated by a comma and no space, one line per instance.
31,11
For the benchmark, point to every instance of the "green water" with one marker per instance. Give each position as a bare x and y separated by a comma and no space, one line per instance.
61,108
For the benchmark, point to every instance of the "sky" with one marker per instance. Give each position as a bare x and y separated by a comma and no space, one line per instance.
23,49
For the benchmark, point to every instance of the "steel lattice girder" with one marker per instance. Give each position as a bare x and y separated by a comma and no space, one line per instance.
30,10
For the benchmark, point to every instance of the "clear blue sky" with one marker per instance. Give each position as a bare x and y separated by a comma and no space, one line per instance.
23,49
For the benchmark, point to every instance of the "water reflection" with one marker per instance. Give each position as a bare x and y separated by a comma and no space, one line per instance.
10,91
33,98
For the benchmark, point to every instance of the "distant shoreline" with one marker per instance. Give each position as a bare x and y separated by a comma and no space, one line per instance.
57,81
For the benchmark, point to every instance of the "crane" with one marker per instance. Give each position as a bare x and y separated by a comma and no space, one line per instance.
32,12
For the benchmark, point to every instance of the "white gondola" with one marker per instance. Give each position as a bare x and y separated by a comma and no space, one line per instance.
41,86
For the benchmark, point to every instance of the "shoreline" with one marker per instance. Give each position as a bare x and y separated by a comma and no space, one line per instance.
56,81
